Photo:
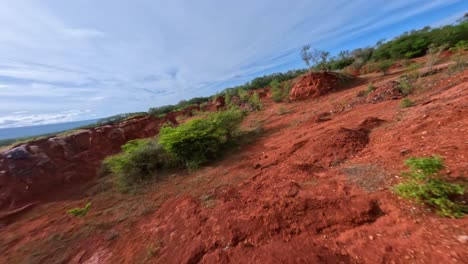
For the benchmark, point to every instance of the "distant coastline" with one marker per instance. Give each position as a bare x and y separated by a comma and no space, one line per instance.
30,131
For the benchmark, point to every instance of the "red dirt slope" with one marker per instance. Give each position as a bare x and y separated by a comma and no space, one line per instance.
314,187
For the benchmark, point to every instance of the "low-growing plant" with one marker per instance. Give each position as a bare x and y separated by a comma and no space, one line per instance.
280,93
433,54
282,110
243,95
460,46
139,160
424,184
413,71
80,211
459,59
200,140
384,66
255,101
406,102
405,86
365,93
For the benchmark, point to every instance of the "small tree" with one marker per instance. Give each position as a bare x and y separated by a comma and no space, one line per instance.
319,58
306,55
384,66
433,54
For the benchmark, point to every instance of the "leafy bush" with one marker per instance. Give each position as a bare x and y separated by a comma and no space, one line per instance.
406,102
433,54
283,110
369,90
80,211
255,101
405,86
280,92
459,65
243,95
384,66
413,71
460,46
423,184
199,140
139,160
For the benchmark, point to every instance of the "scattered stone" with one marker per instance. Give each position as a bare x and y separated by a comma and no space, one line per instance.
404,152
462,239
18,153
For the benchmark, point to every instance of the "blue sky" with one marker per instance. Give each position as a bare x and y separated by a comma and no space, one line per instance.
74,60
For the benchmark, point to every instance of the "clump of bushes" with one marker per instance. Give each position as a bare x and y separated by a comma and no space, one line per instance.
406,102
255,102
424,184
189,145
384,66
405,86
369,90
139,160
279,93
200,140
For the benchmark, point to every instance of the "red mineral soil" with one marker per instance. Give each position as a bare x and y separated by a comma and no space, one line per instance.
312,185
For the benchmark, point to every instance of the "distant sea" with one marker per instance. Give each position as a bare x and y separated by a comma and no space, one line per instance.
29,131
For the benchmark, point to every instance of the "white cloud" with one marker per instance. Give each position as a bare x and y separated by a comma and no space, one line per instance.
121,56
18,119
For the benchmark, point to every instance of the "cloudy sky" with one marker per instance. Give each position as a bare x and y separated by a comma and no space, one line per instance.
75,60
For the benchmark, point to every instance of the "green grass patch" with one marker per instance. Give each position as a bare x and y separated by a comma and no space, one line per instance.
425,185
81,212
406,102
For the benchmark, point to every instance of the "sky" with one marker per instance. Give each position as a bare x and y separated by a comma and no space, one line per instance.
64,61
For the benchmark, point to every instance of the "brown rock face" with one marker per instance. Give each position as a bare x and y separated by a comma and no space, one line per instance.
33,169
315,84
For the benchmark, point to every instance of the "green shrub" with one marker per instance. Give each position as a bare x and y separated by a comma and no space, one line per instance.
460,46
406,102
369,90
199,140
433,54
228,99
405,86
384,66
255,101
423,184
280,93
139,160
80,211
283,110
243,95
276,92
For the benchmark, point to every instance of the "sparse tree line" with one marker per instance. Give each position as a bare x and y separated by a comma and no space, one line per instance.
409,45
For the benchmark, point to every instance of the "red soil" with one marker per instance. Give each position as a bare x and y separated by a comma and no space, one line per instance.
314,84
314,187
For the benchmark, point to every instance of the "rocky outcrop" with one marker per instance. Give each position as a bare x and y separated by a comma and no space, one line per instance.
37,168
34,170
